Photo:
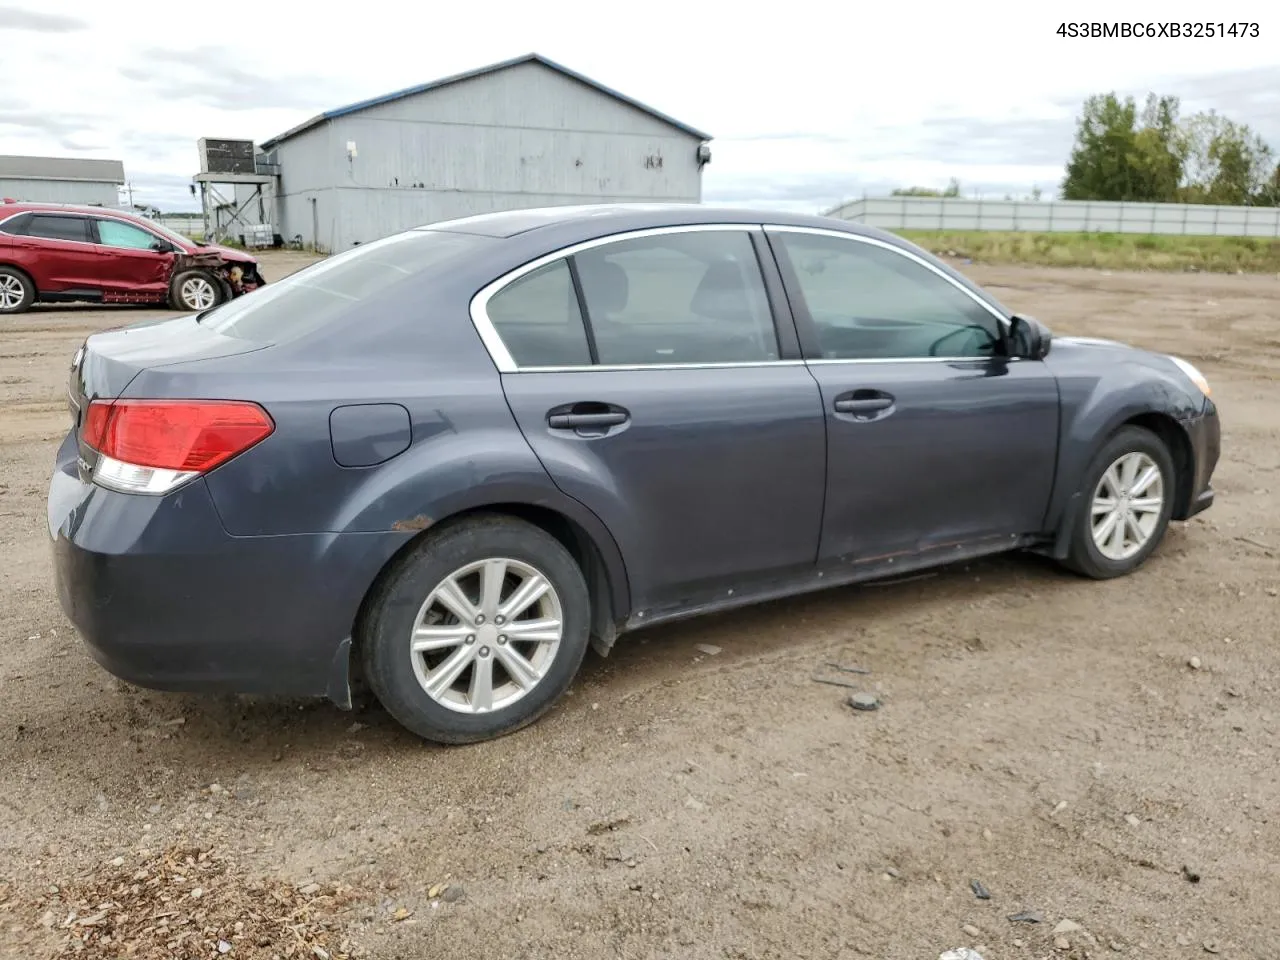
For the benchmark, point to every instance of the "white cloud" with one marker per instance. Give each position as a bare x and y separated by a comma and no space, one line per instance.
809,104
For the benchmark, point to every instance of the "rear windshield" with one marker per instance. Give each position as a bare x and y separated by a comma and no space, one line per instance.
317,295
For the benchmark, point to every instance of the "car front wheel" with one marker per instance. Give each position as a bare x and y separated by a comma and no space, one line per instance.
478,631
194,291
1128,498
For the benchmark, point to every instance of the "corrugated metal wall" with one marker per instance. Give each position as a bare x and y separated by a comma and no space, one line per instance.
523,137
308,170
60,191
1063,216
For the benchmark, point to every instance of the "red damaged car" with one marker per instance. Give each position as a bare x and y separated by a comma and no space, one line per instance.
55,253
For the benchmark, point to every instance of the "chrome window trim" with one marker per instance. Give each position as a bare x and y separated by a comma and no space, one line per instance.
502,358
505,363
65,215
77,214
4,220
624,367
906,254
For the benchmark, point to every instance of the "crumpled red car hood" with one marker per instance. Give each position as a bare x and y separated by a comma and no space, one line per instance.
229,254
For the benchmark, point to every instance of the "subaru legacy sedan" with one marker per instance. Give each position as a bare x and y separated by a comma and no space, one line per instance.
450,460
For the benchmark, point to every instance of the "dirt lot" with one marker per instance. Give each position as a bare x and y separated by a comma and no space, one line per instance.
1044,735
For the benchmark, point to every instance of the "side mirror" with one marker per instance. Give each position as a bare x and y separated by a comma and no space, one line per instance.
160,246
1029,338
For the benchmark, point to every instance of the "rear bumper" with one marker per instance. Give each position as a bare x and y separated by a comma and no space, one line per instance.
164,598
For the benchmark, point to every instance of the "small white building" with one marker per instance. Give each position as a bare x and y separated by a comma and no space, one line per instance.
61,180
526,132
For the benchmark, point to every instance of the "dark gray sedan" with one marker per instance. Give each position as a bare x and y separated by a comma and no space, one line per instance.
453,458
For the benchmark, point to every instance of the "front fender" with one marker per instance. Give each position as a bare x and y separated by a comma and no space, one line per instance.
1102,387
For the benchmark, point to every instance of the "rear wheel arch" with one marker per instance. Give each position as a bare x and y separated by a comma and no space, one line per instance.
26,278
17,269
607,585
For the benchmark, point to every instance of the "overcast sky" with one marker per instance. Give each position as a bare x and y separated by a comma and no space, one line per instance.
809,102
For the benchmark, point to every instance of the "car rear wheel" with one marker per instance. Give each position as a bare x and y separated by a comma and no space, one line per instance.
195,290
17,292
478,631
1128,498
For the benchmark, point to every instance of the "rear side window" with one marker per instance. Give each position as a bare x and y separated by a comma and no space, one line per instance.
317,295
685,297
539,321
16,226
59,228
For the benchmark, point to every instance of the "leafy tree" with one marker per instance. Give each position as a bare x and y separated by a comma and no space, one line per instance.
1120,156
916,192
1159,148
1121,153
1226,162
1269,195
952,190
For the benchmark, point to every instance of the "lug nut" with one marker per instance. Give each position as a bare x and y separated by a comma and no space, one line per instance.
499,619
502,639
479,618
484,651
471,638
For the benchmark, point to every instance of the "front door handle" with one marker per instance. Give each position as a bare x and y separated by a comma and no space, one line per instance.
576,421
871,405
865,404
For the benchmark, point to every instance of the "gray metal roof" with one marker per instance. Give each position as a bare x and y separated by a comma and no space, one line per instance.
480,72
61,168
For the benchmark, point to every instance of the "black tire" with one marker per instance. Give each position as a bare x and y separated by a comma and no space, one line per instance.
392,612
1084,557
182,287
13,280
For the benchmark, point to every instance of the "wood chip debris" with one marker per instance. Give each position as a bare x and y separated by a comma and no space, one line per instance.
190,902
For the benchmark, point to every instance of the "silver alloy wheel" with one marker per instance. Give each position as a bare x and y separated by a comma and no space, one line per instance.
197,293
1126,506
11,292
486,636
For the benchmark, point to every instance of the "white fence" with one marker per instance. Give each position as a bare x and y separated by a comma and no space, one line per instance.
1061,216
188,224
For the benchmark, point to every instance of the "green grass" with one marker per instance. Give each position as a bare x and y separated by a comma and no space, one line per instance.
1110,251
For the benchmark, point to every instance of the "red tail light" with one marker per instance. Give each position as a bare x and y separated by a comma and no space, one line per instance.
185,436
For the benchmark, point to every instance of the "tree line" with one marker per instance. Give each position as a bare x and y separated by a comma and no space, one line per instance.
1153,155
1150,154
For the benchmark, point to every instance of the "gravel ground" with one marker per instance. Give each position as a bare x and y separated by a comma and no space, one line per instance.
1100,754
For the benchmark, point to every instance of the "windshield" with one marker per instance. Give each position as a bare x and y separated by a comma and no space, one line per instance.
156,226
316,295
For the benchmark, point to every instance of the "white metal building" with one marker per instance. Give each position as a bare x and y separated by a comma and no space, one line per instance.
526,132
61,180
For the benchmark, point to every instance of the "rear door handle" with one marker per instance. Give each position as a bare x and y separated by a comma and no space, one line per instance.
575,421
872,405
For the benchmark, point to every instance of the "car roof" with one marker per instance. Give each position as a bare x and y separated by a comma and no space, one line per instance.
540,230
36,206
619,217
